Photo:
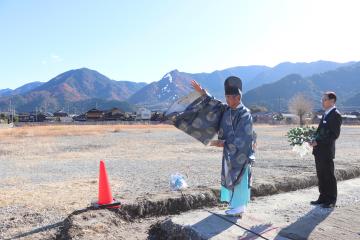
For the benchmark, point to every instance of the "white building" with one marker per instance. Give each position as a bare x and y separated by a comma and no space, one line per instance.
143,114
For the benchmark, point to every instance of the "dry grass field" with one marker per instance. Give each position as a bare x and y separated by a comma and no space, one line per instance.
53,170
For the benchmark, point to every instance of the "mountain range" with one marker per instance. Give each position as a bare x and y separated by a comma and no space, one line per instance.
20,90
161,94
75,86
345,81
286,68
80,89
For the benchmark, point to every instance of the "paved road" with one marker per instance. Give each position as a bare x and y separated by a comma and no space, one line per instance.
282,216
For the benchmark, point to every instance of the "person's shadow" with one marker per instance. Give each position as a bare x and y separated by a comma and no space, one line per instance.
260,229
216,223
305,225
37,230
58,225
213,225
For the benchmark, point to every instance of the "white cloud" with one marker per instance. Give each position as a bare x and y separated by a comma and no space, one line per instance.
56,58
53,58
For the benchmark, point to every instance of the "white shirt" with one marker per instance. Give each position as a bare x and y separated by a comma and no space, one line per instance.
329,110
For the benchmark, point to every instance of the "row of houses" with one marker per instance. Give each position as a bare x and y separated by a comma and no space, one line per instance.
288,118
115,114
94,114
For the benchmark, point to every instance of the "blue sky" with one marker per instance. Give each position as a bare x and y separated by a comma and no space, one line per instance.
143,40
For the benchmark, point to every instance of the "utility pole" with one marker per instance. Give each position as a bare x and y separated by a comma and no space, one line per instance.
11,112
279,105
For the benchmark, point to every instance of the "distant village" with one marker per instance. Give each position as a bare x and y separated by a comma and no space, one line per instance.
92,115
144,114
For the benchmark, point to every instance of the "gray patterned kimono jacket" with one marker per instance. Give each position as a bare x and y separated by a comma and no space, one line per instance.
205,118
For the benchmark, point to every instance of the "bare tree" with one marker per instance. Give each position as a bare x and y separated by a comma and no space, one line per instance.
300,105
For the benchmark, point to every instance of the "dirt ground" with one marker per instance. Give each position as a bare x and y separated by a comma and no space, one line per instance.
48,172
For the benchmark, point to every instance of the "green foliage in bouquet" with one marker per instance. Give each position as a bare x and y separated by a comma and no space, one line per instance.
299,135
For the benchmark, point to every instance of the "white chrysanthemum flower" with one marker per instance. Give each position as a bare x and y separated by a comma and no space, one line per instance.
303,149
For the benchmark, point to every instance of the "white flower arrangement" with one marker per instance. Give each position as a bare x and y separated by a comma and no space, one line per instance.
299,138
302,150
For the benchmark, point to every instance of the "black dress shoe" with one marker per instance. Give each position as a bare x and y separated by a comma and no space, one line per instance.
328,205
317,202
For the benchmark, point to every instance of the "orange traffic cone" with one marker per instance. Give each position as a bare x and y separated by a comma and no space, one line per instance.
105,199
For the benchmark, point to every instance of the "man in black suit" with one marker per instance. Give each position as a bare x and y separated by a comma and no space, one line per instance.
324,151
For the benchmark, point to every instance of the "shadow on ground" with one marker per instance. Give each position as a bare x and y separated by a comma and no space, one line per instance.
305,225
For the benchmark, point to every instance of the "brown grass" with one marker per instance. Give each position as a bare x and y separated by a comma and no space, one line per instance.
73,130
83,130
